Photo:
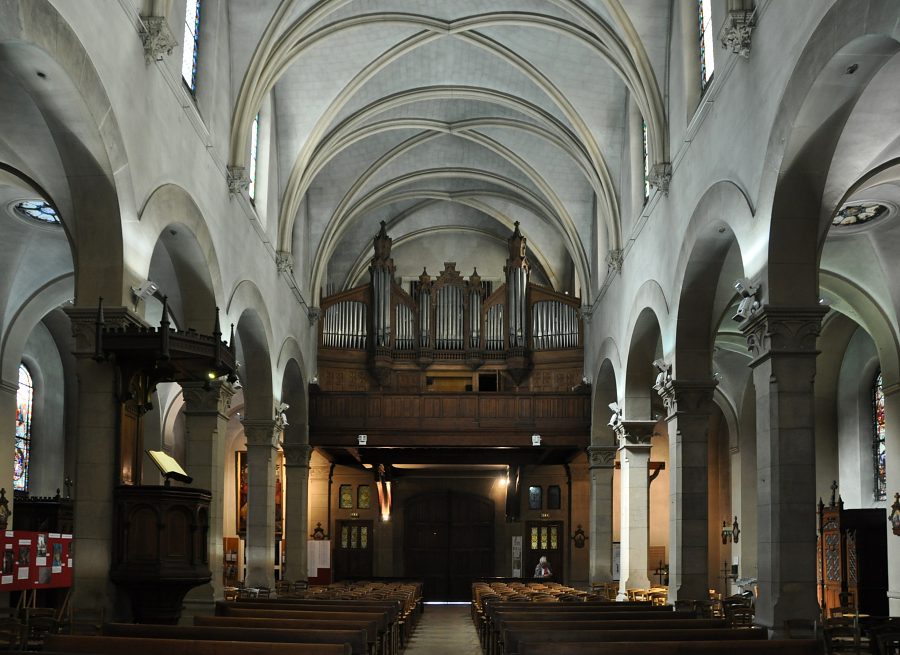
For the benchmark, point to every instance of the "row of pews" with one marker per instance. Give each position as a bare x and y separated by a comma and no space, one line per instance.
532,625
359,619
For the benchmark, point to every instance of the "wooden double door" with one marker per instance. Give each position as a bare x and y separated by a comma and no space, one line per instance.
448,541
353,550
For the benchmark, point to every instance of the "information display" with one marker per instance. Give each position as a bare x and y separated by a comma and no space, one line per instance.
35,560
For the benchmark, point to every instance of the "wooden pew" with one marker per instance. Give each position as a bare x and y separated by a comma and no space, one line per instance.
370,627
355,638
495,623
381,618
514,638
100,645
774,647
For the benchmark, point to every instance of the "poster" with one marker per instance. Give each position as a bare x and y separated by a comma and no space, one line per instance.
242,488
35,560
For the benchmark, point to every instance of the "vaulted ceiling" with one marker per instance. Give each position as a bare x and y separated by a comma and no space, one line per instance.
449,121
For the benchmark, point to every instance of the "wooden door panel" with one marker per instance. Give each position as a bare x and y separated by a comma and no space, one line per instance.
449,540
353,550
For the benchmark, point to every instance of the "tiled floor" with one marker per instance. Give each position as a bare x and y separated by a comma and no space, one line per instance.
445,630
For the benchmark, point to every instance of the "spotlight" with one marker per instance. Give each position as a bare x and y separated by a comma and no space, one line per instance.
144,290
749,302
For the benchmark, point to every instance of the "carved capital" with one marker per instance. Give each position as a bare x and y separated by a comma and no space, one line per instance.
736,31
587,312
156,38
630,432
237,179
313,314
687,396
601,457
284,262
661,176
297,454
614,260
783,331
261,432
212,397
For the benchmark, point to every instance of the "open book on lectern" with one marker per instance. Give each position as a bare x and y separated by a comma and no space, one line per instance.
170,469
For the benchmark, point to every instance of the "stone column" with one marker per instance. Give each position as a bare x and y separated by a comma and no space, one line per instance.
782,341
262,435
205,426
634,519
892,443
96,467
296,517
688,406
602,463
8,398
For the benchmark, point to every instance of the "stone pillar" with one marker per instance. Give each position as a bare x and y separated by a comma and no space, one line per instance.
96,467
8,398
688,406
262,435
602,463
892,443
782,341
205,426
296,517
634,516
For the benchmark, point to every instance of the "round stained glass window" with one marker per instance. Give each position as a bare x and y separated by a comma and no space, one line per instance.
858,213
38,210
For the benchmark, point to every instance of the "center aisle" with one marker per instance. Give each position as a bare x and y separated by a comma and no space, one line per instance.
445,630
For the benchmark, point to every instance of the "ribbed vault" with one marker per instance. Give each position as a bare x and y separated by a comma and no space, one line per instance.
450,119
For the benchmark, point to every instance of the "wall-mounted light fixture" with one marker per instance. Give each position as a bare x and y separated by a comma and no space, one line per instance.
895,515
535,440
731,533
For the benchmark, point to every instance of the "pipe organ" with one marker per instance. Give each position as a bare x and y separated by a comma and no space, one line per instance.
452,321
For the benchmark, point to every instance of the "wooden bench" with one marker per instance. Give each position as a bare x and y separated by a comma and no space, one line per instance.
99,645
370,627
385,632
775,647
514,638
355,638
493,625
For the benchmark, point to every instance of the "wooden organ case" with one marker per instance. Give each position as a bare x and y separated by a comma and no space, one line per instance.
408,358
851,558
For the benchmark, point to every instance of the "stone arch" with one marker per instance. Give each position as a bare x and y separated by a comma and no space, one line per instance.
33,36
253,334
806,132
605,392
701,292
644,347
182,237
294,392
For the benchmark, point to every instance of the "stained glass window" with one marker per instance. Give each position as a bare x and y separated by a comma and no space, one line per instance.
707,61
191,44
24,402
535,498
879,452
346,496
645,154
553,497
363,497
254,147
39,210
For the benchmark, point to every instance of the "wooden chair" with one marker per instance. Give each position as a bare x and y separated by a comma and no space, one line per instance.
11,633
842,635
801,629
39,622
84,621
740,617
888,643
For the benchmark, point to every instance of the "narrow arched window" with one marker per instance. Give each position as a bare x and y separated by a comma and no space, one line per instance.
879,452
191,44
24,404
254,148
645,154
707,61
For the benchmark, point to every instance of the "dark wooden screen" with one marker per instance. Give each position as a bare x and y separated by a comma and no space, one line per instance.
449,541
